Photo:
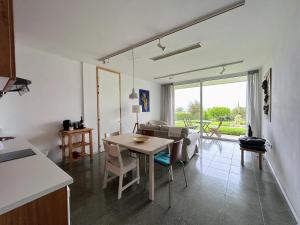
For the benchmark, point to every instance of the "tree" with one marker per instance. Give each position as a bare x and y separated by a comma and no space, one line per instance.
219,112
206,115
194,109
239,111
179,109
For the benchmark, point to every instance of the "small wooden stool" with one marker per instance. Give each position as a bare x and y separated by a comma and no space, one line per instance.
260,155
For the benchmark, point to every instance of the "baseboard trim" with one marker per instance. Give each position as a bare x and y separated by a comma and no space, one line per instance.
283,191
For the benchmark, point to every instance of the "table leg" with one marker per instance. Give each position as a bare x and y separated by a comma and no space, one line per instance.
91,143
83,144
151,177
260,161
242,157
70,148
63,145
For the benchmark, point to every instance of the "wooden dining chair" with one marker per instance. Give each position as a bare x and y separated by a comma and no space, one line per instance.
117,165
107,135
168,160
117,133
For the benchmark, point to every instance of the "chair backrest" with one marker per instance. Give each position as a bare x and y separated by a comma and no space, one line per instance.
107,135
176,151
113,153
185,122
220,124
190,122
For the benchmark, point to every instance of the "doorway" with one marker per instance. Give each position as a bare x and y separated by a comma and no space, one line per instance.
108,102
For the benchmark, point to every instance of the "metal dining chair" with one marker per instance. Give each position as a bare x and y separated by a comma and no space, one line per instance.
168,160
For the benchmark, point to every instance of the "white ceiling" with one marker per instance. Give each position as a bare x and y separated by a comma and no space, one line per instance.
87,30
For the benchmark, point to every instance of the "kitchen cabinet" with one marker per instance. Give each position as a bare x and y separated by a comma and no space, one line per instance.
50,209
34,190
7,45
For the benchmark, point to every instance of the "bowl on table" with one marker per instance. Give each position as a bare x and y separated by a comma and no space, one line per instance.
140,139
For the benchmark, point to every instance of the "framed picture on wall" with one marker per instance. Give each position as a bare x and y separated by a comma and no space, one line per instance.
267,87
144,100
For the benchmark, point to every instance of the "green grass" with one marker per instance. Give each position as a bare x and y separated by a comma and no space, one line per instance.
227,127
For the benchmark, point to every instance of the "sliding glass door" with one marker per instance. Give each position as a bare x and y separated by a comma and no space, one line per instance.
214,108
224,108
187,105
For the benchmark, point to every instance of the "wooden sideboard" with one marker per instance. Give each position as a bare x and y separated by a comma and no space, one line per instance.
73,145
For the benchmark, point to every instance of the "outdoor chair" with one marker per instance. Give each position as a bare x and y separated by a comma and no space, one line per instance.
189,124
215,130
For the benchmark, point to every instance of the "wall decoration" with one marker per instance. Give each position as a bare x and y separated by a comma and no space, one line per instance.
144,100
267,87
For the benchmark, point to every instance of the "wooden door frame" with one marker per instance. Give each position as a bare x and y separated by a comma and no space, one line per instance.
98,69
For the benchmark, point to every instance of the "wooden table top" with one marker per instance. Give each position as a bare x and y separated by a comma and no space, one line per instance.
151,146
76,131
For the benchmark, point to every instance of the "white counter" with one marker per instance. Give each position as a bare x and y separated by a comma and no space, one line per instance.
24,180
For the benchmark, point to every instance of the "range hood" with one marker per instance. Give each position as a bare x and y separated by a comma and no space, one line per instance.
20,85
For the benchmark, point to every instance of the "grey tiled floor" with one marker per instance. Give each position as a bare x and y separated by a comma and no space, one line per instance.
220,192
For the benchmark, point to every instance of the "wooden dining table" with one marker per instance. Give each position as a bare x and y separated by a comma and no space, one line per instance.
150,147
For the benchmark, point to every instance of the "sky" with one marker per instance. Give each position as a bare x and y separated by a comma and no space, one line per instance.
229,95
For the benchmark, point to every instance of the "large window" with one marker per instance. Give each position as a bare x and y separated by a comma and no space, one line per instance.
223,105
187,105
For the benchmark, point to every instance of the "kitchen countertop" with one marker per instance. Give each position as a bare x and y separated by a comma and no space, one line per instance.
24,180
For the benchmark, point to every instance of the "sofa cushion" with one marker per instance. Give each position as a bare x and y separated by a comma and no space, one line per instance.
164,128
161,134
157,123
149,127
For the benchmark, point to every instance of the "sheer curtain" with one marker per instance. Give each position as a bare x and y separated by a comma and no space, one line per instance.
167,103
254,102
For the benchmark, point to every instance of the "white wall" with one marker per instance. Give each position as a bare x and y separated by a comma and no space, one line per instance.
55,95
90,99
284,129
128,118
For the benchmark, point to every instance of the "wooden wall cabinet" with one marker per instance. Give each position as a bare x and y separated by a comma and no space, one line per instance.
7,45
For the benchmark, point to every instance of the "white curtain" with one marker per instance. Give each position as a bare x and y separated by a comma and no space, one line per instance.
254,102
167,103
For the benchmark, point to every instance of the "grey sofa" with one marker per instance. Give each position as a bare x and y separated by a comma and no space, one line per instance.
190,138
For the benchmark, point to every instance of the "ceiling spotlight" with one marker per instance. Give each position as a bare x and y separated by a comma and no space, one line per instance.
223,70
105,61
160,45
